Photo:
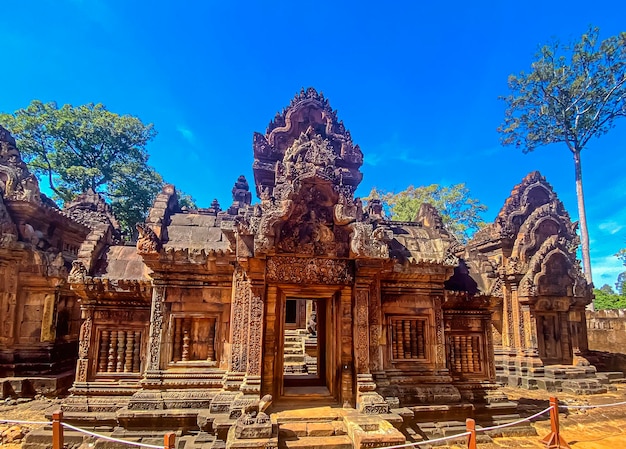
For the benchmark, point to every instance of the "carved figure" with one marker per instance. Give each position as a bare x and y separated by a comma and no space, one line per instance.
148,242
78,273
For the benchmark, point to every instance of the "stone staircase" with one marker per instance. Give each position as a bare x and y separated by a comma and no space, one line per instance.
333,428
295,356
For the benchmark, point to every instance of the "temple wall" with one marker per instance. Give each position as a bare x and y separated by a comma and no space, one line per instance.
606,330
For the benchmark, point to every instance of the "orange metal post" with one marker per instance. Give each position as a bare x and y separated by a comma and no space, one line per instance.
554,440
57,430
169,441
470,426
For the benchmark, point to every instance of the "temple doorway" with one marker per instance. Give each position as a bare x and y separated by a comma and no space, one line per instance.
550,344
304,335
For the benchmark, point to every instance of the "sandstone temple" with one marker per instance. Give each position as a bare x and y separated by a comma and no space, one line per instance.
223,323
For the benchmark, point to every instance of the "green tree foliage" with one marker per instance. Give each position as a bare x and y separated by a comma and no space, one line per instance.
606,298
459,211
572,93
620,285
75,148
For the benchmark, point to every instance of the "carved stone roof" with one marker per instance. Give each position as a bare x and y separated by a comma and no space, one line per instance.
121,262
310,114
91,209
16,181
195,231
532,243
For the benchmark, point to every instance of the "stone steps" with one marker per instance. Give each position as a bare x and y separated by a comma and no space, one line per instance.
334,442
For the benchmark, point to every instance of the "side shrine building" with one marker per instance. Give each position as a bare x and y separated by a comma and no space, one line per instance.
307,296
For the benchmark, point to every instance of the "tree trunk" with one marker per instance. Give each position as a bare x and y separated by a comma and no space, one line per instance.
582,218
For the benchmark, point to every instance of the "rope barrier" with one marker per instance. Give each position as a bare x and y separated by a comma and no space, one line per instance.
17,421
591,406
484,429
116,440
400,446
419,443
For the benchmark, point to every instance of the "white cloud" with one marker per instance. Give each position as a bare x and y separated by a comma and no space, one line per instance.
187,134
611,227
605,270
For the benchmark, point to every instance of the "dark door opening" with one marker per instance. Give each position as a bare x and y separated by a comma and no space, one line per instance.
304,343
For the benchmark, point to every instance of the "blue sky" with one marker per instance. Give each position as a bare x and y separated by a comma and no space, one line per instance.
417,84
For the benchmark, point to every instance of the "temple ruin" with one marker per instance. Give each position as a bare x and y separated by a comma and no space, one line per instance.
305,298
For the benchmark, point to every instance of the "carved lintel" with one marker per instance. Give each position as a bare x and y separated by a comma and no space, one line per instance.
295,270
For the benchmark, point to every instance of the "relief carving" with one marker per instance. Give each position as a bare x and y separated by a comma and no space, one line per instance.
156,328
361,328
297,270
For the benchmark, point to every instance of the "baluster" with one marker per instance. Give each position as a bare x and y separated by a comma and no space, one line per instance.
137,353
394,339
177,339
420,339
103,351
414,339
128,356
464,354
476,347
211,341
186,340
407,339
457,352
112,352
121,348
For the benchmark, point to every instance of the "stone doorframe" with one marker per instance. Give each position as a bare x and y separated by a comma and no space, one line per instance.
339,360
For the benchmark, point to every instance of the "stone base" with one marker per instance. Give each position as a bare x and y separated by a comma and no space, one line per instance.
528,372
52,385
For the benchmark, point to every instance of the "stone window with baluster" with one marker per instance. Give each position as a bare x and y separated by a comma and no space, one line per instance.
408,338
192,339
119,352
465,355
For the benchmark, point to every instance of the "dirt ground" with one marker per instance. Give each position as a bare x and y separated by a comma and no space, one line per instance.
597,428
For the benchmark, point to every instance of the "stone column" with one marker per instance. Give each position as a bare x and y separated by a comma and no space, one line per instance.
440,349
8,301
347,368
239,322
529,328
360,332
84,343
376,329
252,382
156,338
48,318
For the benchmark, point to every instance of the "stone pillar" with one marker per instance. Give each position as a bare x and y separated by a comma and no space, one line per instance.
440,349
239,322
156,338
8,301
507,319
252,382
376,329
360,331
516,312
347,368
84,343
48,318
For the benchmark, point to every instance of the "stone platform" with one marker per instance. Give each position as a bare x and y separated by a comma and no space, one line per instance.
29,386
531,374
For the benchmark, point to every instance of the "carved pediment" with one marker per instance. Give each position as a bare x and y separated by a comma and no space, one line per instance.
308,137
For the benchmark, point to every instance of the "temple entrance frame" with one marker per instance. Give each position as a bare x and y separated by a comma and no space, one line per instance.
334,321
